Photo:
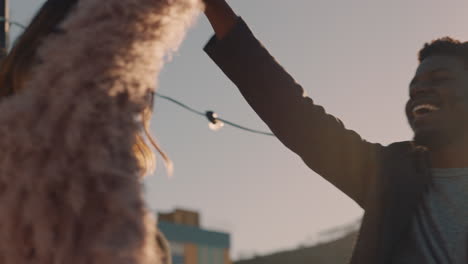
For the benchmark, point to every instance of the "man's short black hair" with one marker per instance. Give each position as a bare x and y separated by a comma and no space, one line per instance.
445,46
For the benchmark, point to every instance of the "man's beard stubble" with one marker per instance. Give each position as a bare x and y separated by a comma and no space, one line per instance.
431,139
436,139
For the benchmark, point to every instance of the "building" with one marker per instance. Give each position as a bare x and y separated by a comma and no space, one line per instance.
190,244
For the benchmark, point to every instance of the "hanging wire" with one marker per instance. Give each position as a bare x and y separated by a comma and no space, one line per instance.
3,19
215,122
180,104
211,116
246,128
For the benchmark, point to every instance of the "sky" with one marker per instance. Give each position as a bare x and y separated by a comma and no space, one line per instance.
355,58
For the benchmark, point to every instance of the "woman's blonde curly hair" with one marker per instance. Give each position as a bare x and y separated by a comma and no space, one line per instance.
14,69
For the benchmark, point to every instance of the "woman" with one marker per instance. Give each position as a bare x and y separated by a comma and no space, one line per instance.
74,100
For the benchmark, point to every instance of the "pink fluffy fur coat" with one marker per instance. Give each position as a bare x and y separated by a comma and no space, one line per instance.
70,190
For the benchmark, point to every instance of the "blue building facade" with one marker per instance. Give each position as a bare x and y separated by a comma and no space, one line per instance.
191,244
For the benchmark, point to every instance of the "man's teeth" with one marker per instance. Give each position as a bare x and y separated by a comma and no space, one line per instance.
426,107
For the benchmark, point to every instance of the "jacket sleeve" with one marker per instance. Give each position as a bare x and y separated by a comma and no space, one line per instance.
69,182
320,139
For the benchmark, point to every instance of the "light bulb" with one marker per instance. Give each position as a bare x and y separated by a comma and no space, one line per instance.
217,125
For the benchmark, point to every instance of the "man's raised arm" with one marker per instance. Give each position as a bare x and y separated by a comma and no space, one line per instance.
326,146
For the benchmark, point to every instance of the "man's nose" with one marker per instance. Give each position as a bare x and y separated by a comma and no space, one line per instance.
419,89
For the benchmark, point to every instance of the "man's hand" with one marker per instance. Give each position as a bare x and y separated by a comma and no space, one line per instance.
221,16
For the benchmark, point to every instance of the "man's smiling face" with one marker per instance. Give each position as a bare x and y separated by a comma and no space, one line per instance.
437,110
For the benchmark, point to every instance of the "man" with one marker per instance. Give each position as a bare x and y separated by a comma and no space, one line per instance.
414,193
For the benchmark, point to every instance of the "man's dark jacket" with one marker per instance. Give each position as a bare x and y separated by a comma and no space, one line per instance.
387,182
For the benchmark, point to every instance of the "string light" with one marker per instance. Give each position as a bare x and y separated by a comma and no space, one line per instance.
215,123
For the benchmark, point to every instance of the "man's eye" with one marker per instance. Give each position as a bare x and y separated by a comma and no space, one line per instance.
440,79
